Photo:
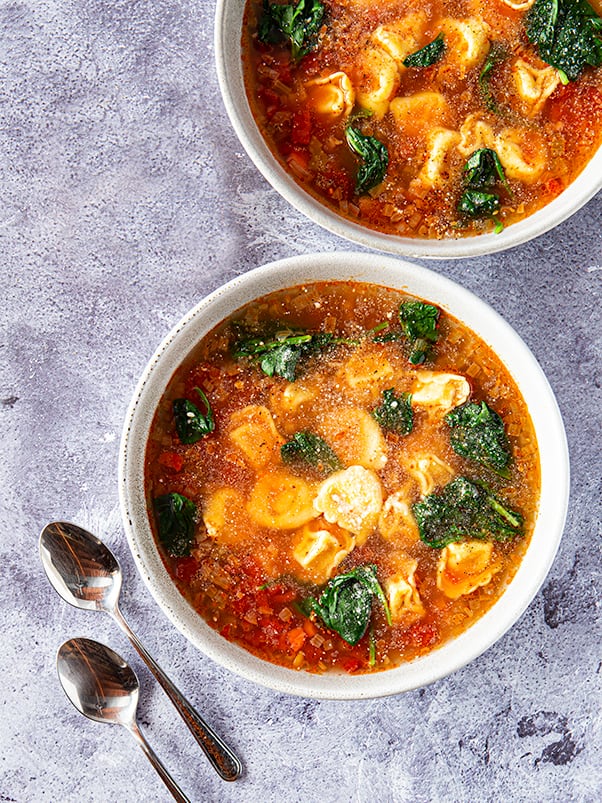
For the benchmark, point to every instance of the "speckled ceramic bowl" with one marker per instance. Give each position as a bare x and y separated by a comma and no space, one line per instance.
458,302
228,29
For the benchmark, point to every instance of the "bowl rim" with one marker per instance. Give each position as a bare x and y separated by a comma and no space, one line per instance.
228,14
458,301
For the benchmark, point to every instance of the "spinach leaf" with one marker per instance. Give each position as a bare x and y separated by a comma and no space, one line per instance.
311,448
497,54
566,34
482,171
419,322
477,204
427,55
464,509
395,412
375,156
477,432
175,515
345,604
281,355
191,424
298,24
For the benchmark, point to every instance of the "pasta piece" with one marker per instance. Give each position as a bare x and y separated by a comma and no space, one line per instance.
353,499
224,515
319,549
518,5
429,472
440,143
355,437
281,501
404,600
331,95
475,133
286,402
523,154
376,81
463,567
401,38
416,114
534,86
440,391
467,42
396,521
367,373
254,432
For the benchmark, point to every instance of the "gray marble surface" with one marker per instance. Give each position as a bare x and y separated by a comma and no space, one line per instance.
125,198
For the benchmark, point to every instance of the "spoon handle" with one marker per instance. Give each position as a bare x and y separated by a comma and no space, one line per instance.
156,762
226,764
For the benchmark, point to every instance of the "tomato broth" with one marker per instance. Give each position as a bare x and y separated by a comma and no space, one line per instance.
342,477
430,120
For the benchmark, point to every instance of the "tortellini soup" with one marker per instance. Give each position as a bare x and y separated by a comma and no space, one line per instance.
439,119
342,477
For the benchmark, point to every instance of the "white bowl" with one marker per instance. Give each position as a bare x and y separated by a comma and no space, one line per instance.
228,31
459,303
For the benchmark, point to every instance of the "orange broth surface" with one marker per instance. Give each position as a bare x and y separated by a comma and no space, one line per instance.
247,573
430,119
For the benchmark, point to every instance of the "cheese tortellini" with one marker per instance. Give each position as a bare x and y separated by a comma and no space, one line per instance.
252,429
281,501
465,566
396,521
402,595
428,471
331,95
351,498
533,85
401,38
467,42
355,437
376,80
320,547
440,392
416,114
223,515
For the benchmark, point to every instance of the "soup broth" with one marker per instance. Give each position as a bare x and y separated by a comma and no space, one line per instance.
341,477
430,120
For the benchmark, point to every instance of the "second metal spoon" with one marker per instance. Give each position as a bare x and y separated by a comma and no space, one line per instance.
87,575
103,687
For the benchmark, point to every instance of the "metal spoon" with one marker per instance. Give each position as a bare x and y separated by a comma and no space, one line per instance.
87,575
103,687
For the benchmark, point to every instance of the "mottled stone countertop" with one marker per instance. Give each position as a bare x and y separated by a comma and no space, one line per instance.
126,197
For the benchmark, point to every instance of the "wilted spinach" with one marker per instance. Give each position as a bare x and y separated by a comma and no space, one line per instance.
477,432
464,510
298,24
191,424
419,323
497,54
175,515
567,34
279,354
345,604
375,159
427,55
395,413
311,448
482,171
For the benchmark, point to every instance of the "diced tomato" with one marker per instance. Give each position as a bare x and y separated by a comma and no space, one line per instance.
296,637
351,664
301,130
423,634
310,628
186,568
298,157
171,460
554,186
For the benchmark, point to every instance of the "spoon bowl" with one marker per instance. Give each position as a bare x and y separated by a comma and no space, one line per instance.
99,683
81,569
